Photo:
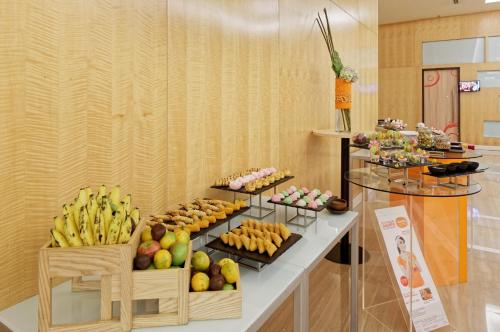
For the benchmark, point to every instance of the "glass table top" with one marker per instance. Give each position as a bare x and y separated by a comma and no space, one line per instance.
374,178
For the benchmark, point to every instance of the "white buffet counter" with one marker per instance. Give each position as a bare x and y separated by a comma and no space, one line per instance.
263,292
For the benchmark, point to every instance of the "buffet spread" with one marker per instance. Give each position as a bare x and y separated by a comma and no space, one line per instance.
152,258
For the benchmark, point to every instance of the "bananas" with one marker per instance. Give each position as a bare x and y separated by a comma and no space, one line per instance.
95,219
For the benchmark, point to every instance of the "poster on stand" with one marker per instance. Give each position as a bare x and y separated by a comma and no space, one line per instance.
411,272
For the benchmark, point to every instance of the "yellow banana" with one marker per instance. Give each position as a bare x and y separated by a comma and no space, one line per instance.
114,229
71,232
53,242
108,214
127,201
114,198
102,228
85,230
59,224
95,228
59,238
76,212
83,196
125,231
135,215
100,194
66,209
89,192
92,210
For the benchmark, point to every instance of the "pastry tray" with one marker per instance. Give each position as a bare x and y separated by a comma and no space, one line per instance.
391,165
365,146
264,258
242,190
219,222
454,174
318,209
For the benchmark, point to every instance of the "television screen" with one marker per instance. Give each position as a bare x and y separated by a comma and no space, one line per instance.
469,86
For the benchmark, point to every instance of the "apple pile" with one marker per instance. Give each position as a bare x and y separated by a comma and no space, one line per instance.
161,249
208,275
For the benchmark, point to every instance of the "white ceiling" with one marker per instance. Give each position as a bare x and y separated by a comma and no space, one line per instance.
391,11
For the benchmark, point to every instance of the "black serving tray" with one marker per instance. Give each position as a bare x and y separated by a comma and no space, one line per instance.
242,190
319,209
365,146
453,174
264,258
392,164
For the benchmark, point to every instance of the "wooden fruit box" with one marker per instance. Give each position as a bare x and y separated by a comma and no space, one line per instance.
169,286
216,304
106,261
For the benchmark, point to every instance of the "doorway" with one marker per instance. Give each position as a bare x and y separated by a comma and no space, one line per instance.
441,100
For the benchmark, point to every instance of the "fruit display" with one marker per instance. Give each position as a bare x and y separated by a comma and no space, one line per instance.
252,179
253,235
425,137
210,276
360,139
103,218
302,197
161,248
196,215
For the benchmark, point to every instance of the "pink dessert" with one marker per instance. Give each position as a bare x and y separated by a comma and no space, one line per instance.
290,191
328,193
312,205
305,190
236,184
276,198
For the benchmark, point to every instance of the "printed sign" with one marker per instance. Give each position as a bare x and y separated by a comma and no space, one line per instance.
410,269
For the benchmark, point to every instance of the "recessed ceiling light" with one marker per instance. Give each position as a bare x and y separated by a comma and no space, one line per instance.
491,1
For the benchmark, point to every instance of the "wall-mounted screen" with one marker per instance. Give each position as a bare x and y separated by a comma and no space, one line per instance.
469,86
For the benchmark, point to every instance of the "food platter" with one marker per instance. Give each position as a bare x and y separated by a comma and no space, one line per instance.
242,190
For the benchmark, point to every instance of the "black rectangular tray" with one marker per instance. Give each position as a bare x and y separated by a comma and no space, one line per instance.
454,174
365,146
264,258
319,209
257,191
408,164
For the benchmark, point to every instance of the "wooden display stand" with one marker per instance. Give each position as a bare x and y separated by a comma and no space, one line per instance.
216,304
106,261
119,282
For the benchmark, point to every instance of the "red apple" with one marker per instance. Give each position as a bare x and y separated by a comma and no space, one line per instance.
404,281
148,248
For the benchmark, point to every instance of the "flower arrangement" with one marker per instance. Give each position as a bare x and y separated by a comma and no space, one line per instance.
345,76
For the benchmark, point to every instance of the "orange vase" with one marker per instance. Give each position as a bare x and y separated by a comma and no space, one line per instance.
343,94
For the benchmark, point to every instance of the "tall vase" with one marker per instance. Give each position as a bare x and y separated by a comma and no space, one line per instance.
343,104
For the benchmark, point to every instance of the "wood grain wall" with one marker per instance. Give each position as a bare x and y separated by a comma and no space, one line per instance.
400,78
163,97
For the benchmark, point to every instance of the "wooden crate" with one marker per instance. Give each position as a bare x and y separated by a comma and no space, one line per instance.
169,286
107,261
215,304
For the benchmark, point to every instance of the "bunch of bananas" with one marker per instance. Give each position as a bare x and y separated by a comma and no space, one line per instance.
95,220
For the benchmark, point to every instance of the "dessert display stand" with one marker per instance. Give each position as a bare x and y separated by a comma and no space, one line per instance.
418,239
306,219
262,211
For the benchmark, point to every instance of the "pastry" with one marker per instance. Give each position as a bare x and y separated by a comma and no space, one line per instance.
285,193
328,193
246,242
305,190
288,200
236,184
324,198
312,205
270,248
250,187
301,203
260,245
276,239
284,232
318,201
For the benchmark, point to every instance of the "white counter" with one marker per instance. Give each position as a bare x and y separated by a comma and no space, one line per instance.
263,291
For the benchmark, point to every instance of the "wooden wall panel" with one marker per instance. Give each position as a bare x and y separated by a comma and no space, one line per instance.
83,81
222,88
163,97
400,62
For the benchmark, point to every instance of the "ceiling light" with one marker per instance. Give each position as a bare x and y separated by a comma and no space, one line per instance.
491,1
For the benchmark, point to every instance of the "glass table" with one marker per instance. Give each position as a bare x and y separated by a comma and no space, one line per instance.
416,234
